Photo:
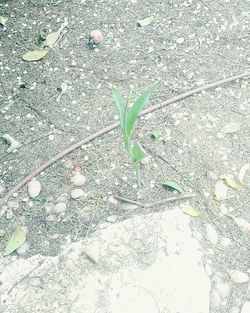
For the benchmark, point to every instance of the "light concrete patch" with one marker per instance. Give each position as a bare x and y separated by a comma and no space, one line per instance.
147,264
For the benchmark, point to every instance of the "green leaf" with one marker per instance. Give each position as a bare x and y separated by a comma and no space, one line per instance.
17,239
138,154
120,105
137,107
34,55
146,21
172,186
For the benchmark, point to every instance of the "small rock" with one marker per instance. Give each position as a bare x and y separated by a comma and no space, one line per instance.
60,207
77,193
238,276
13,205
96,36
223,289
34,188
246,307
211,234
52,218
212,175
78,180
23,249
92,251
180,40
2,232
113,200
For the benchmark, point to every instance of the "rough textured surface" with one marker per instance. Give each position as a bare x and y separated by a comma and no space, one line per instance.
148,264
49,104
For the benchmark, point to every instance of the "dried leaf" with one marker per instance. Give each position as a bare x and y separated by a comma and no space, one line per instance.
112,218
146,21
52,38
220,191
34,55
172,186
229,181
242,173
232,127
3,20
16,240
190,211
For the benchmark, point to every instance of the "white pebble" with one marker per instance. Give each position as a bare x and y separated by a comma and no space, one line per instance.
23,249
246,307
180,40
238,276
92,251
34,188
78,180
77,193
211,234
60,207
242,224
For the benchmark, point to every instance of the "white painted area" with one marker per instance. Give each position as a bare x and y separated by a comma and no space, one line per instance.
148,264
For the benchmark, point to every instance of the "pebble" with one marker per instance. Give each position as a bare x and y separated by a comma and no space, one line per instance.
96,36
34,188
92,251
60,207
23,249
180,40
113,200
211,234
77,193
78,180
238,276
223,289
52,218
2,232
246,307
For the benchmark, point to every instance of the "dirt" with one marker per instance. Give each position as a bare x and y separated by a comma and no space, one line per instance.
33,109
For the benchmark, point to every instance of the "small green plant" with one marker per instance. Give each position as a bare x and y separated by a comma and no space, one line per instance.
128,116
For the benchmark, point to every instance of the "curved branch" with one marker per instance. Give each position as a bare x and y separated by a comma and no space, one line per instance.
105,130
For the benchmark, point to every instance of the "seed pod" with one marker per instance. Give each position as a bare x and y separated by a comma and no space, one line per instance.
96,36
